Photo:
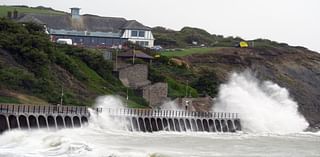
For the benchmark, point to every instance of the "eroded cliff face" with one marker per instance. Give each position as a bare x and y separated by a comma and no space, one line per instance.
296,69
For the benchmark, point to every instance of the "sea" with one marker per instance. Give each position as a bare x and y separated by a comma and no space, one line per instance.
272,126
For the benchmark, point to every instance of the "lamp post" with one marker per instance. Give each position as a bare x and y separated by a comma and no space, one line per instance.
61,99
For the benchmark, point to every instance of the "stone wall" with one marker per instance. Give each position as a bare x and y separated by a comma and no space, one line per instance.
155,94
135,76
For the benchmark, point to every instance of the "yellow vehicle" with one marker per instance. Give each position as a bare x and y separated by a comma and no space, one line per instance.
243,44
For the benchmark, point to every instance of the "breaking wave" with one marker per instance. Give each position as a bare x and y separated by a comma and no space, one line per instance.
264,107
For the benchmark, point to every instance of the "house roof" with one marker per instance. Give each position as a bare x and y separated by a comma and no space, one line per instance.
133,24
31,19
84,23
137,54
85,33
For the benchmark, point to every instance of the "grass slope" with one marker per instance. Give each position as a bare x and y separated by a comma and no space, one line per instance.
189,51
9,99
23,9
33,70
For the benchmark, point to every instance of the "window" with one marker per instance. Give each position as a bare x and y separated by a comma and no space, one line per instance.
134,33
137,33
141,33
142,43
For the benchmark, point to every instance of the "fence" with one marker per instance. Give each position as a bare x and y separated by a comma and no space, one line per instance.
167,113
50,109
44,109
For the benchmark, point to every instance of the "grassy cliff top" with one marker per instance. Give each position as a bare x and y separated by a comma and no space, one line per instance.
25,9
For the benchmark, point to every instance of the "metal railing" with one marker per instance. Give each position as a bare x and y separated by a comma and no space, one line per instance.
44,109
167,113
51,109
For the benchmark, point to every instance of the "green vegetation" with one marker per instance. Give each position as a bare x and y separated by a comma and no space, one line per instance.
24,9
188,36
265,43
189,51
208,84
194,37
177,89
32,65
177,77
10,100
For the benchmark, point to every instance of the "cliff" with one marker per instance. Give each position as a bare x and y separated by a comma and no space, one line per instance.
294,68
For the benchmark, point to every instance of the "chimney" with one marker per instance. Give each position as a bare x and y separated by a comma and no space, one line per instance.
15,14
75,13
9,15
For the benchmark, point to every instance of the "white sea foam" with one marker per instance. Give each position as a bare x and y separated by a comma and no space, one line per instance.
264,107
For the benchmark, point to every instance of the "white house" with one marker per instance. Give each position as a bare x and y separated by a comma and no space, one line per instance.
139,34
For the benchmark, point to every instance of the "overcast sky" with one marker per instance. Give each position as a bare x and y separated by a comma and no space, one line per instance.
296,22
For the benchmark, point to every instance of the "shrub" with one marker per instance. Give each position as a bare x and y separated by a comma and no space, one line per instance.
16,78
207,84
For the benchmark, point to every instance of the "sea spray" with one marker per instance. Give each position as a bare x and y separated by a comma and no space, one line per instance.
109,101
170,105
103,120
264,107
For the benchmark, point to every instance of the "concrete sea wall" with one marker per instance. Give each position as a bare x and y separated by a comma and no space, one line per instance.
140,120
33,116
170,120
